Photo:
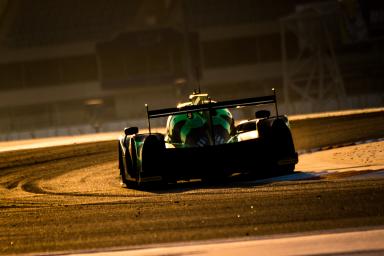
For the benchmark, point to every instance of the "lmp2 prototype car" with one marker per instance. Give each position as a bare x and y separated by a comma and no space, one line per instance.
202,141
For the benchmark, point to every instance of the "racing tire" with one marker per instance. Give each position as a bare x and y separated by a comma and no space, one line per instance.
283,145
124,170
123,176
130,166
151,158
131,160
151,154
286,169
282,138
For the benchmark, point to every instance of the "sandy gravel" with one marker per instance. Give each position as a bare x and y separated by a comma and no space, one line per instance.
69,198
364,157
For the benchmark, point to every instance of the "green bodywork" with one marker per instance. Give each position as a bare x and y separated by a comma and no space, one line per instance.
194,129
199,128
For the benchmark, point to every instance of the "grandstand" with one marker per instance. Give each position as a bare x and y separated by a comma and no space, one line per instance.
71,66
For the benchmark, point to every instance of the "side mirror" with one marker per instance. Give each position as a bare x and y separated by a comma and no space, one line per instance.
131,130
262,114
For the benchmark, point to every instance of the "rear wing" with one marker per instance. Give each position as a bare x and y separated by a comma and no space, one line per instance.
271,99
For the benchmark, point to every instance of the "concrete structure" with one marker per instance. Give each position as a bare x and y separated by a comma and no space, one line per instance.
70,66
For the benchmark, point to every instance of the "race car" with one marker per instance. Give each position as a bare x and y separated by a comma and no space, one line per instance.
203,141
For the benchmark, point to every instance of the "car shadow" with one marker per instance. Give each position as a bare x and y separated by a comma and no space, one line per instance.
237,181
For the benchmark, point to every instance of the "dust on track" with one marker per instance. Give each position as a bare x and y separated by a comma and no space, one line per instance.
69,198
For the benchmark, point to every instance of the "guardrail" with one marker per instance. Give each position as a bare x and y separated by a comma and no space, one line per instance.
336,129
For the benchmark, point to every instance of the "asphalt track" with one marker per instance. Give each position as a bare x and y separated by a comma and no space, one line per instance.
68,199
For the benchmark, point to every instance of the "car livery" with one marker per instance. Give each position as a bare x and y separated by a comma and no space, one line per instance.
202,141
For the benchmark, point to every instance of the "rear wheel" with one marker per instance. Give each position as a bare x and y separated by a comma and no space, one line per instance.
282,138
131,167
128,166
286,169
122,167
124,179
152,155
124,171
283,146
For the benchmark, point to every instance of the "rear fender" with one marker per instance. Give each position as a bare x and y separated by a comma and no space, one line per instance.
282,138
152,154
264,126
120,155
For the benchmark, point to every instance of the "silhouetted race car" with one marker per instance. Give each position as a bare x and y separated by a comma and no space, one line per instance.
202,141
